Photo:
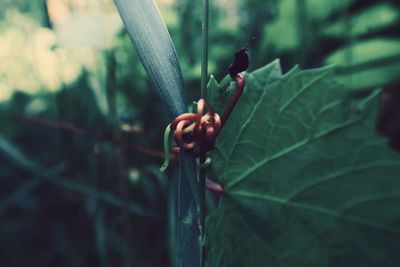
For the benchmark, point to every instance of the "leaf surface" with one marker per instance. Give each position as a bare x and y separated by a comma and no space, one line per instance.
308,182
154,46
151,39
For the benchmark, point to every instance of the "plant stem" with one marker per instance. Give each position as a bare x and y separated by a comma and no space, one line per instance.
201,171
188,245
172,184
204,58
203,211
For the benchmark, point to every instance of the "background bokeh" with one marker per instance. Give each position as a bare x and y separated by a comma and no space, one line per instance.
81,129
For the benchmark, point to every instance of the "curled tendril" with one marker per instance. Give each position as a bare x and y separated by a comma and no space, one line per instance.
197,132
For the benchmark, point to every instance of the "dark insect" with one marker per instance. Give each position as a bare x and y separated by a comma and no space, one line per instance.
241,62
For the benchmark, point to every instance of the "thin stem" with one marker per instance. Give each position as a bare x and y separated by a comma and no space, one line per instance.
102,136
172,218
203,211
188,245
234,99
204,59
214,187
201,171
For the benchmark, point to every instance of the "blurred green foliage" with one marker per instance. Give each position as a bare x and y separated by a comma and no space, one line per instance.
76,105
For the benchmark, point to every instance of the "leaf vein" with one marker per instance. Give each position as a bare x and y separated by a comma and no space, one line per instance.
289,149
316,209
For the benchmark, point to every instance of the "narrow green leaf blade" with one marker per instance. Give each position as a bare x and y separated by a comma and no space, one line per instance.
154,46
308,182
152,41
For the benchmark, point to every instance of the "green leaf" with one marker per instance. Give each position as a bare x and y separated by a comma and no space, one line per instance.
375,18
368,64
366,51
308,182
283,32
154,46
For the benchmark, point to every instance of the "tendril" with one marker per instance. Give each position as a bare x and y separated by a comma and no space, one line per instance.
197,132
165,164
